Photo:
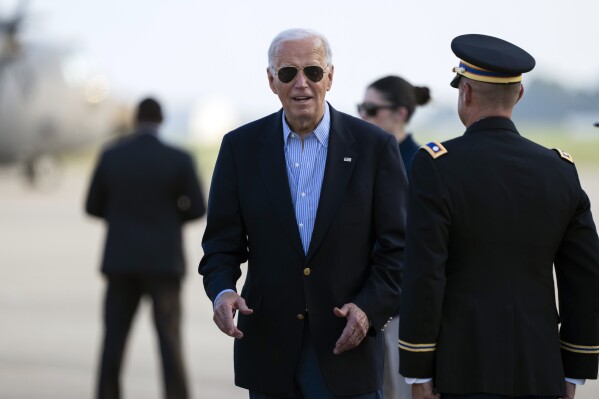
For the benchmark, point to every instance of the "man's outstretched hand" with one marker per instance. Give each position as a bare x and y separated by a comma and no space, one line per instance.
224,310
355,330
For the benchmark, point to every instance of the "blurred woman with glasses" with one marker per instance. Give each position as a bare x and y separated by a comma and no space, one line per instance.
390,103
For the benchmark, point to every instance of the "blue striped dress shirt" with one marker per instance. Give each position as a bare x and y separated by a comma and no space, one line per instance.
305,171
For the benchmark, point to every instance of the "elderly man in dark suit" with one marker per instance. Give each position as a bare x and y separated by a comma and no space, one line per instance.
145,190
492,215
314,200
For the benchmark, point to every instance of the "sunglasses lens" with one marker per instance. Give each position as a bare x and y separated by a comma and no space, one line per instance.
314,73
368,109
371,110
287,74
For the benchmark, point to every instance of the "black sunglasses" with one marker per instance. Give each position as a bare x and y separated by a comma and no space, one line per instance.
371,109
313,72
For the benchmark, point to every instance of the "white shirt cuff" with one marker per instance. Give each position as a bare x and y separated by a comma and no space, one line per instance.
577,381
219,295
411,381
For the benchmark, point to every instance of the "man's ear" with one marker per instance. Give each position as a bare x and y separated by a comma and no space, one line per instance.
330,76
521,93
467,93
271,80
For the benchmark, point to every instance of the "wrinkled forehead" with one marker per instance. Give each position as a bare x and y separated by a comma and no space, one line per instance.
300,52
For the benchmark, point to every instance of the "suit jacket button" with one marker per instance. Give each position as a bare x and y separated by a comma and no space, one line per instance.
300,316
307,271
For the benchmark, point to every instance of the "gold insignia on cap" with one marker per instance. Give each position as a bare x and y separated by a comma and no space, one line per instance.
565,155
435,149
474,72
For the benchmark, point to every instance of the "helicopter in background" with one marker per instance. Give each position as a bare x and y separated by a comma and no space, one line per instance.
51,103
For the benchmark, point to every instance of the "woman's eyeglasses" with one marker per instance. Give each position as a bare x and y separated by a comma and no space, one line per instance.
313,72
371,109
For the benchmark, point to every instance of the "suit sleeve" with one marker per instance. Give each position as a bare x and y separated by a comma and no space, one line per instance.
380,295
97,195
423,283
577,273
191,199
225,240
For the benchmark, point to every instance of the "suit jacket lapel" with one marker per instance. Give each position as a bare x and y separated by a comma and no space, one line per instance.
272,165
341,159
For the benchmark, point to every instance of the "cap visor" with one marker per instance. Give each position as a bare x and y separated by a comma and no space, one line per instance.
456,81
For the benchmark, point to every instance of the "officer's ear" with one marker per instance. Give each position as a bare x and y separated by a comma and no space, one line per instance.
521,93
466,93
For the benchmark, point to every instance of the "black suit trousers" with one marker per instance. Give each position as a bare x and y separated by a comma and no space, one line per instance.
123,294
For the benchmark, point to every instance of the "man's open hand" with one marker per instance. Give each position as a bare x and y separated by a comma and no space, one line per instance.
355,330
224,310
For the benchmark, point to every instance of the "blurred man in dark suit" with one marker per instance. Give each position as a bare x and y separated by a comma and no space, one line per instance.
145,190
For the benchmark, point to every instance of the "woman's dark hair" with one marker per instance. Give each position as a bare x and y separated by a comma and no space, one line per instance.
401,93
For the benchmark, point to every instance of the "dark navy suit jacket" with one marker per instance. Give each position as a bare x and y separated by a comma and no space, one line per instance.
145,190
408,148
355,253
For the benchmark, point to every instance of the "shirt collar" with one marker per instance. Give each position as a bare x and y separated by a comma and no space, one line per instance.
321,132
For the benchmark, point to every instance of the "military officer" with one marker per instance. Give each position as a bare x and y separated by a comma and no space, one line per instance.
490,215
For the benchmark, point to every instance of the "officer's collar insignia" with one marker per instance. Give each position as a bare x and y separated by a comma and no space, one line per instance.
564,155
435,149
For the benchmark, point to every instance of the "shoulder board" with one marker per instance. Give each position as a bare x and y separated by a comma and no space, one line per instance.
435,149
564,155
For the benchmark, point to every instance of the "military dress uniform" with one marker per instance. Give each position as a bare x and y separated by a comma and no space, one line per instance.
490,214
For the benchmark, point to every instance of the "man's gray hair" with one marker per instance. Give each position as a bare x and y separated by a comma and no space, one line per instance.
297,34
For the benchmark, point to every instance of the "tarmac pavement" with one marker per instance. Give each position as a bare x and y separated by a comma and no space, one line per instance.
51,293
51,302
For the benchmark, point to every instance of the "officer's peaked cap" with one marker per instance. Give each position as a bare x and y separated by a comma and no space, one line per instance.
489,59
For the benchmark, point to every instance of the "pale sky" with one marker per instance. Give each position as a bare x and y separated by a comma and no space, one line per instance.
190,51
